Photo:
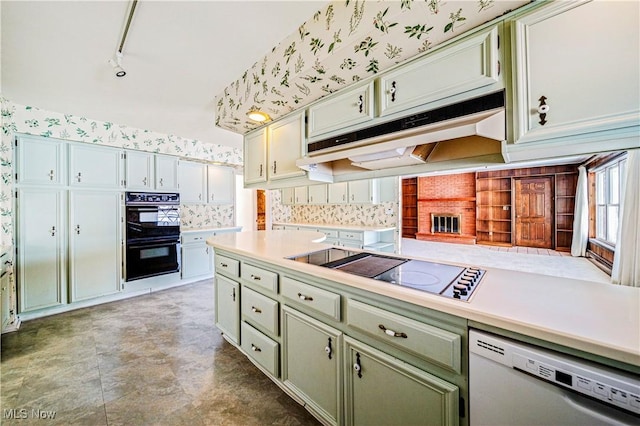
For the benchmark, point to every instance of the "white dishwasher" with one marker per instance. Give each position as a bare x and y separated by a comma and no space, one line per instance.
513,383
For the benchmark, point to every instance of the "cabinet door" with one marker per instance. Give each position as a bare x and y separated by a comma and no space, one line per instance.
228,307
337,193
41,161
139,170
166,172
301,195
361,191
95,244
467,65
352,107
255,157
318,194
95,166
288,196
5,298
588,79
312,353
380,389
193,182
220,184
42,262
196,260
286,140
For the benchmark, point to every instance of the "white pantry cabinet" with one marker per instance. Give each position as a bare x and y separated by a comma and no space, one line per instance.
576,68
192,178
166,172
220,184
140,170
42,260
94,244
41,161
96,166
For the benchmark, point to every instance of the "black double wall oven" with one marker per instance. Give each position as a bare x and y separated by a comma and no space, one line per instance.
152,234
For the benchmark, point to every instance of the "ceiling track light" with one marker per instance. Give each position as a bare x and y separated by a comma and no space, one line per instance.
116,61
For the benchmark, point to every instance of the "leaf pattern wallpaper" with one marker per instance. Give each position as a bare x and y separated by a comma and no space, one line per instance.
334,214
21,119
342,44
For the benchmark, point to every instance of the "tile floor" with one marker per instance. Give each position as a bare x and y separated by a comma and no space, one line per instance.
151,360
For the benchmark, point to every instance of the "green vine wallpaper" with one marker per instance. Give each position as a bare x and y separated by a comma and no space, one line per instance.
347,41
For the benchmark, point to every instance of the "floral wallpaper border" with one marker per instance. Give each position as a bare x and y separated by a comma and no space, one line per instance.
342,44
17,118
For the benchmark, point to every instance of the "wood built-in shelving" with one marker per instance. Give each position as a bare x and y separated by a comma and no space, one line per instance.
564,207
409,207
493,210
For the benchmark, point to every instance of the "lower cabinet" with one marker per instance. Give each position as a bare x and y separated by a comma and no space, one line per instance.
228,307
262,349
383,390
312,355
5,290
197,257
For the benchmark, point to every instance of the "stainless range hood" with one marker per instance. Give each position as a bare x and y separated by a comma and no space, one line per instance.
453,137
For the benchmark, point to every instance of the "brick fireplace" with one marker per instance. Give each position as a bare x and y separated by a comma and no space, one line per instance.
448,196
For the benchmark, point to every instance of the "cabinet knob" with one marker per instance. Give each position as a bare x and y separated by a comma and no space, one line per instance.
391,332
392,91
161,182
274,167
356,366
543,108
260,170
51,175
53,231
303,297
256,310
255,348
78,229
144,181
360,103
255,277
79,177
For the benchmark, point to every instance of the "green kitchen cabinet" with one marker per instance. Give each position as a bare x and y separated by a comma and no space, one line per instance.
192,180
221,184
312,356
96,166
166,172
228,308
197,256
382,390
140,170
41,161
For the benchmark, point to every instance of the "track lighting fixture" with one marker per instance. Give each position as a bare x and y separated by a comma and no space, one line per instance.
116,63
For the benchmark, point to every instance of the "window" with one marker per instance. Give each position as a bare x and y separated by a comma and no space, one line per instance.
608,196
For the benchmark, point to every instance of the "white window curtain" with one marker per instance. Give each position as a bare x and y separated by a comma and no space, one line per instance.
626,262
581,215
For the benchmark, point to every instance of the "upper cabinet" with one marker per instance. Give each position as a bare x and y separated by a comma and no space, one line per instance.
96,167
470,64
140,168
220,184
355,106
41,161
192,177
270,153
317,194
166,173
575,72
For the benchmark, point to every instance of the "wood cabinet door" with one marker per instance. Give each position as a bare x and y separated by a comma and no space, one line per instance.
139,170
382,390
95,244
42,261
311,363
534,212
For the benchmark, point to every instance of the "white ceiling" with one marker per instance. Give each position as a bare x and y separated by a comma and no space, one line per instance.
178,55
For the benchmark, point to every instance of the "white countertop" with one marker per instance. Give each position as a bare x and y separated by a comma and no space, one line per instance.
227,229
603,319
338,227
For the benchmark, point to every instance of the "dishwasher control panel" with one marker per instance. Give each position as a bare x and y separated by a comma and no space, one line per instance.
614,387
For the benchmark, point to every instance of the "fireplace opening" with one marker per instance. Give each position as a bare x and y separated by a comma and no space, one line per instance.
443,223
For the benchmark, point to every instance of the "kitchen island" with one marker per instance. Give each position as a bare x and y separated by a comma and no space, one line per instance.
595,321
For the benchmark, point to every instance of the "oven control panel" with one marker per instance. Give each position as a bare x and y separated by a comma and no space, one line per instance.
153,198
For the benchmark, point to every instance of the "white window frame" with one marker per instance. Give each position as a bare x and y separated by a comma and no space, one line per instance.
607,199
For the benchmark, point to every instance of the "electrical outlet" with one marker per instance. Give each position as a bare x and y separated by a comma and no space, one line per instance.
389,211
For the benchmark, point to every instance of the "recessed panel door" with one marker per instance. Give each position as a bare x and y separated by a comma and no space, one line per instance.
534,212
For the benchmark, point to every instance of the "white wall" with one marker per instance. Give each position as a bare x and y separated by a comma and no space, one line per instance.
245,206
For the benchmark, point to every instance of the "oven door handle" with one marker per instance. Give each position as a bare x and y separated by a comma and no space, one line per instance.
153,244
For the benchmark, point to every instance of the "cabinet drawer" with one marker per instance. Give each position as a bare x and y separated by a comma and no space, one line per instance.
260,310
351,235
258,276
195,237
330,233
261,348
322,301
227,266
424,340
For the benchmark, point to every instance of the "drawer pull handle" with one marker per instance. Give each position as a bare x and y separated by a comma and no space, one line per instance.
391,332
303,297
255,348
357,367
255,277
328,349
233,295
224,265
256,310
